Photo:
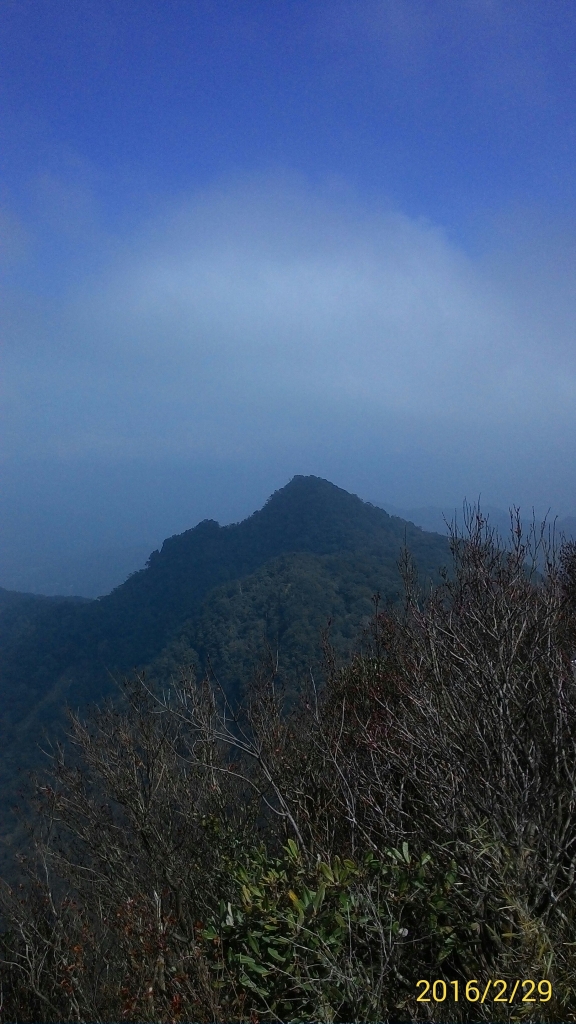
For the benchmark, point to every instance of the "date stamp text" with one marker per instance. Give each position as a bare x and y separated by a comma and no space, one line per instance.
495,990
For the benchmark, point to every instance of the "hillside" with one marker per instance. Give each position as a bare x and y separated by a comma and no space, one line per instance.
312,552
439,519
308,861
89,572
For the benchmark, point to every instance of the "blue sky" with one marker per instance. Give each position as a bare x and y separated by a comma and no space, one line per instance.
243,240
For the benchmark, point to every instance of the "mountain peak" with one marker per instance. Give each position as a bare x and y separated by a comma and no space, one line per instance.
313,492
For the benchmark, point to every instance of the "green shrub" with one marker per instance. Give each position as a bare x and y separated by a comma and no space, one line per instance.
416,820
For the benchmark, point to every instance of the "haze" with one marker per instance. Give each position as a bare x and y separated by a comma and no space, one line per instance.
245,241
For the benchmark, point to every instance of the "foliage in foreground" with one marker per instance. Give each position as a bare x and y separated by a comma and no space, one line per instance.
415,820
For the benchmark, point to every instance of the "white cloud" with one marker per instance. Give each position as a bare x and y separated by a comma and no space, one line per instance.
268,314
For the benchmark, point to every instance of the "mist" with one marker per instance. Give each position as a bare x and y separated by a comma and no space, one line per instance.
266,327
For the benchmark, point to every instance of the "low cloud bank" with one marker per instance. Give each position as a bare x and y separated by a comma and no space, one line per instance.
268,319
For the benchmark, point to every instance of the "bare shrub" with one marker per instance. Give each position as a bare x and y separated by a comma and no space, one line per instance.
413,818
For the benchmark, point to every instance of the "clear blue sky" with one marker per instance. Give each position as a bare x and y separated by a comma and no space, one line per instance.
241,240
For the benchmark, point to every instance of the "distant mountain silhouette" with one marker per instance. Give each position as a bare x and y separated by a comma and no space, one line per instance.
90,573
567,527
313,552
438,519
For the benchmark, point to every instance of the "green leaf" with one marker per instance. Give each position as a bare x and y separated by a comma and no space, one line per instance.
344,900
248,983
276,956
319,897
293,849
263,971
326,871
306,897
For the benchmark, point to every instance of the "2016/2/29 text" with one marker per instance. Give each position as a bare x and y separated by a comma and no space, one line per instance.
495,990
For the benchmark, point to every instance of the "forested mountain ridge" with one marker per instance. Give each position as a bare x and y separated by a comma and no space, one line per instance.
132,625
14,598
313,552
305,859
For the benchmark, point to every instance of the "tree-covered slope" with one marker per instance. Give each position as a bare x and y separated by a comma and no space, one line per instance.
313,552
312,859
308,515
280,612
133,624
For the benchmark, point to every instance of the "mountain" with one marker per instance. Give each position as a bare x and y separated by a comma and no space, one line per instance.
567,527
16,599
213,594
89,573
438,519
